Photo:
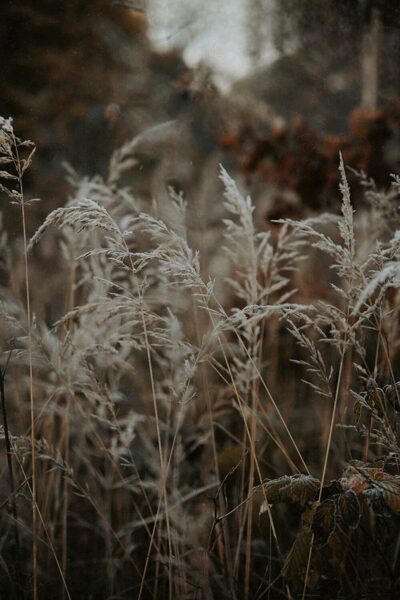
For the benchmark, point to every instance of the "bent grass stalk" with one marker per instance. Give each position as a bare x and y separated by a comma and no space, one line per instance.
18,167
160,450
325,465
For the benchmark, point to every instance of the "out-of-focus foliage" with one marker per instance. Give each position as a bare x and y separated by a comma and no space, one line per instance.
299,163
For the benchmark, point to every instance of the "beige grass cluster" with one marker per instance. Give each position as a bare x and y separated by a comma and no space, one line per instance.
145,420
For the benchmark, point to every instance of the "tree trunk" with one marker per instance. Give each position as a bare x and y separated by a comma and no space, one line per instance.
370,61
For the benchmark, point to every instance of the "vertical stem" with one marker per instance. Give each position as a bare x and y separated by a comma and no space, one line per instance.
18,571
324,469
31,395
64,556
64,534
253,427
253,432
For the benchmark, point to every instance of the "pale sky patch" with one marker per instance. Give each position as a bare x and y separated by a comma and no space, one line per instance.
213,33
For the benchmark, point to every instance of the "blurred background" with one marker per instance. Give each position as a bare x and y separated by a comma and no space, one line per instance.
273,90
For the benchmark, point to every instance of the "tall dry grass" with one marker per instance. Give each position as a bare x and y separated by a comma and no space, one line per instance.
165,440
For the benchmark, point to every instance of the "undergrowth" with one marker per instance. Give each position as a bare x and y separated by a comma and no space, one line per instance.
162,440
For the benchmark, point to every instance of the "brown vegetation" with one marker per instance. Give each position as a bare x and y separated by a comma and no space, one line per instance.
164,441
